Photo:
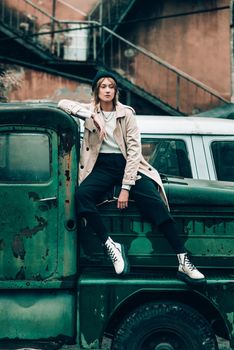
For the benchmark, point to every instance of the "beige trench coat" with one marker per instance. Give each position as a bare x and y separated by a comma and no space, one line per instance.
126,135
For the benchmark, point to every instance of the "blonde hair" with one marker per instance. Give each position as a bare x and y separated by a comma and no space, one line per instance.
96,99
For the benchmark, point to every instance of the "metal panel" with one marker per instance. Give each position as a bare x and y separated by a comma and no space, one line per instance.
36,314
199,154
29,223
207,230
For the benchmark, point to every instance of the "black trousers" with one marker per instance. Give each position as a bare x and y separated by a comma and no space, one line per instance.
107,172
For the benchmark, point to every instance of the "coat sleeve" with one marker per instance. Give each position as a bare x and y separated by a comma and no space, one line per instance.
75,109
133,148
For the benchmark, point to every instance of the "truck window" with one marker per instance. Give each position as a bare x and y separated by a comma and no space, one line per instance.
223,152
24,157
168,156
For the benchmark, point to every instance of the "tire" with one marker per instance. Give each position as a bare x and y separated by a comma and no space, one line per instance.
164,326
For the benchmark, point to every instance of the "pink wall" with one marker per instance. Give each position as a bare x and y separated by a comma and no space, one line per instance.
197,43
62,11
193,36
43,86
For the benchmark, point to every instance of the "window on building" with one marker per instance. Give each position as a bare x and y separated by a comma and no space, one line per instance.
223,155
24,157
168,156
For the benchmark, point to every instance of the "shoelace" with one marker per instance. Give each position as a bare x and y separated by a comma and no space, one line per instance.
111,254
188,263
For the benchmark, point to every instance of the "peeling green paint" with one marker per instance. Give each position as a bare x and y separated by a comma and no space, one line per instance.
55,280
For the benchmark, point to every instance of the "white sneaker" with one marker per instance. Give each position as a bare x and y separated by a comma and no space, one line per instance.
117,255
188,272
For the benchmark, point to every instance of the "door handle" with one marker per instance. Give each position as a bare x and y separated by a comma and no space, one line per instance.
49,199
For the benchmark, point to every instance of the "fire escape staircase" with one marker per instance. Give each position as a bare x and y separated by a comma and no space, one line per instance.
111,13
55,43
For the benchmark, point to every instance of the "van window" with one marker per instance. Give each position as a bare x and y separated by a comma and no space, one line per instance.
168,156
24,157
223,155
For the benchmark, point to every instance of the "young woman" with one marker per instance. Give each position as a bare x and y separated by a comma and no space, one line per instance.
111,155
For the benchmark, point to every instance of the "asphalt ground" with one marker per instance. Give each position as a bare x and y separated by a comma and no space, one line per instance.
223,345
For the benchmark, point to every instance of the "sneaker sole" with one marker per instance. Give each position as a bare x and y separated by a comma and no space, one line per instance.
125,259
185,278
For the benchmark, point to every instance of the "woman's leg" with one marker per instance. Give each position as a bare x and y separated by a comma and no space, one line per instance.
170,231
148,200
106,173
153,209
88,194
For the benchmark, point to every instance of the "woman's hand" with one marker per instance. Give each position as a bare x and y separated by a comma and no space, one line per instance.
99,123
123,199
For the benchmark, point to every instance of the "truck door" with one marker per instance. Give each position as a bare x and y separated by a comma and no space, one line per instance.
28,203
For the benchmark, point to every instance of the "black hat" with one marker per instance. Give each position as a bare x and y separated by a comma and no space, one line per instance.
103,74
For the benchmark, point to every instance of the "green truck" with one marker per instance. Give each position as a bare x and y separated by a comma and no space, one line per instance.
56,283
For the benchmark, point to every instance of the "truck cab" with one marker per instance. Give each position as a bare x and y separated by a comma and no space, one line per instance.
56,283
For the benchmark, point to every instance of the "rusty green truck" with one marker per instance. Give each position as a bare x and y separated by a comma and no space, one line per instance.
56,283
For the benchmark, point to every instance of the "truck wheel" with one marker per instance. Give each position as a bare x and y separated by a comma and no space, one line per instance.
164,326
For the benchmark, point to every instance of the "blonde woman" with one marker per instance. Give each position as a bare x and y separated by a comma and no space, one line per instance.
111,155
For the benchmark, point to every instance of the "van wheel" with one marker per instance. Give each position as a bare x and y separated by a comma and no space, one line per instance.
164,326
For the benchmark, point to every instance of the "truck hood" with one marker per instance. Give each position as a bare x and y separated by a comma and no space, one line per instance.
209,193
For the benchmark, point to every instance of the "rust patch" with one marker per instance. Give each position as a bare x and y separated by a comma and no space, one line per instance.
46,254
20,274
2,244
29,232
43,207
34,196
38,277
18,243
67,141
67,174
18,247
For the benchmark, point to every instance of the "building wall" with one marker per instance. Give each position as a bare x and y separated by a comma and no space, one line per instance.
74,10
35,85
193,36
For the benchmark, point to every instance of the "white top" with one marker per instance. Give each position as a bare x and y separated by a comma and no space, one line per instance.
109,144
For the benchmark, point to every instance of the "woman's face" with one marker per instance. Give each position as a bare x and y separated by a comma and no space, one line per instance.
106,91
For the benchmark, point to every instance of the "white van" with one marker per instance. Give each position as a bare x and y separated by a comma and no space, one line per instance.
192,147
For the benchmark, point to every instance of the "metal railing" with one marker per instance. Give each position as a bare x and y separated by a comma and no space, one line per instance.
74,9
157,77
110,13
66,40
140,68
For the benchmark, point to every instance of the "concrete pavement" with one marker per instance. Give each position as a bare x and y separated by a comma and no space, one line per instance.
223,345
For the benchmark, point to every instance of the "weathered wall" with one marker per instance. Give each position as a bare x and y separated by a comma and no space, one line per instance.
193,36
74,10
35,85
